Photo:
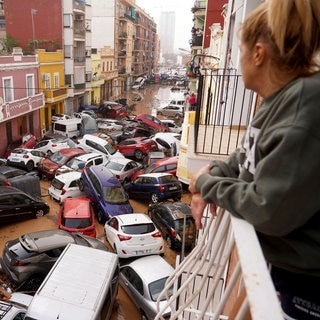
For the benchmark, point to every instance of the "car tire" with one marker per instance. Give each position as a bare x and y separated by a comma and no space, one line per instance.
143,315
138,154
100,217
33,283
169,242
154,198
39,213
30,166
81,185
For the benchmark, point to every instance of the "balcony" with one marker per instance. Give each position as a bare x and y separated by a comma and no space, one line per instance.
224,277
54,95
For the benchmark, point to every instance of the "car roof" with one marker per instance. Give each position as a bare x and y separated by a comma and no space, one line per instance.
40,241
178,209
133,218
76,207
123,161
9,190
72,175
104,175
71,151
167,160
89,156
151,268
5,169
156,174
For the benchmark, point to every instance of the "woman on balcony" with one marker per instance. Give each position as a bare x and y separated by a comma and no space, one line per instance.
273,181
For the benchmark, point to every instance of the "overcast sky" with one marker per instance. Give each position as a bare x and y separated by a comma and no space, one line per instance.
184,22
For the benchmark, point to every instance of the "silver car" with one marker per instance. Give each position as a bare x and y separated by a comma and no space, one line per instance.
143,280
28,259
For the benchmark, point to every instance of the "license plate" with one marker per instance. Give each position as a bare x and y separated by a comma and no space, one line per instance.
143,251
173,188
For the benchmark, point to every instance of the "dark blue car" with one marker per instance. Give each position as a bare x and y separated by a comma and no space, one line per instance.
155,187
105,191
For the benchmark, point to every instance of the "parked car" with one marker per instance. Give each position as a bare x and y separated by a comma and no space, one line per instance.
167,164
50,146
152,122
27,259
49,166
133,235
133,132
171,110
15,307
16,205
28,159
123,168
168,142
139,83
112,110
10,176
91,143
175,222
27,141
143,280
155,187
65,185
77,215
137,147
60,116
105,124
105,191
84,160
173,127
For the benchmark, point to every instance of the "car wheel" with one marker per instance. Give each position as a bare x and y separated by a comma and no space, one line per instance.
138,154
154,198
143,315
81,185
33,283
30,166
169,242
39,213
100,216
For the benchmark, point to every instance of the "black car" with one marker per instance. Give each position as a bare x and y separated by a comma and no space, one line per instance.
16,205
175,221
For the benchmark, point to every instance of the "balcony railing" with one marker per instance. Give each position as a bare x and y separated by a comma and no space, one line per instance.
224,277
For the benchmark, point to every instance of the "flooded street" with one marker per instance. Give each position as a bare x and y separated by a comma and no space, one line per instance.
124,308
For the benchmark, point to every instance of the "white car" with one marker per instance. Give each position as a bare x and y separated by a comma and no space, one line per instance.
123,168
15,307
79,162
171,110
168,142
173,127
133,235
109,124
50,146
65,185
60,116
143,280
26,158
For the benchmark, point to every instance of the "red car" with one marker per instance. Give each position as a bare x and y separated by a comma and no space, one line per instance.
137,147
168,165
48,166
28,141
152,122
77,215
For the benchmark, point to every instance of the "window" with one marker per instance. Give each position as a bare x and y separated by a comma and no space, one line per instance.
56,80
67,20
30,85
7,89
67,51
46,80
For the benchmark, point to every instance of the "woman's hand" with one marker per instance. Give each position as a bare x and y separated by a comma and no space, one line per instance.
194,177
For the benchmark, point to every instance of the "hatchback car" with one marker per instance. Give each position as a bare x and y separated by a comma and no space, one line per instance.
60,116
28,259
27,159
16,205
112,110
65,185
27,141
77,215
105,191
123,168
137,147
152,122
133,132
171,124
175,222
155,187
143,280
133,235
51,146
171,110
49,166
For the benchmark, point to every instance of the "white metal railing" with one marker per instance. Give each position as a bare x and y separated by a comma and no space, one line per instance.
224,277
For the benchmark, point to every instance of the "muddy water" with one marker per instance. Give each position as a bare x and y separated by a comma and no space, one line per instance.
124,308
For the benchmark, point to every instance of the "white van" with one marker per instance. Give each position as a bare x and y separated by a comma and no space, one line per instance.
82,285
71,128
91,143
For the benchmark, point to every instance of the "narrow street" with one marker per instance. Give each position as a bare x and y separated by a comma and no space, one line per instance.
124,308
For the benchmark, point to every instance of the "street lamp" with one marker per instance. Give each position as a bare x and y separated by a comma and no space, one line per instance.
33,12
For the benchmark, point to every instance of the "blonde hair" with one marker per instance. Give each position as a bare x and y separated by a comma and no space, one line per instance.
291,28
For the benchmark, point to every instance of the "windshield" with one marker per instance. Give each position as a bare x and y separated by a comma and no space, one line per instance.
156,287
114,166
110,148
115,195
74,163
58,158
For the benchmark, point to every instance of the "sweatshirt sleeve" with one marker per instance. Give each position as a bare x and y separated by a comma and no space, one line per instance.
285,190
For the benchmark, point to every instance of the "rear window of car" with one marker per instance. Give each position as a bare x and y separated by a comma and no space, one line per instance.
58,184
141,228
76,223
167,179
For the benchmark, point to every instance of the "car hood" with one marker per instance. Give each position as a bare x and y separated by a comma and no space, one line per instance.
114,209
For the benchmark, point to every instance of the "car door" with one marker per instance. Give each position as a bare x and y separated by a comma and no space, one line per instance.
112,227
